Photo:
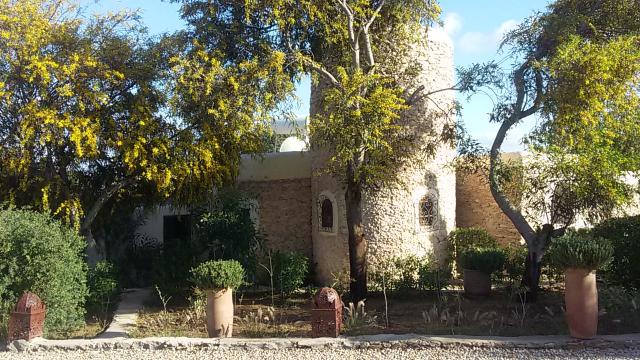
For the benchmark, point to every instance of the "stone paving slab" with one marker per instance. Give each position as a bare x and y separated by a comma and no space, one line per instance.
126,316
406,341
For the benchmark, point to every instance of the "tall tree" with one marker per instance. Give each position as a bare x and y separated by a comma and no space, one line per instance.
578,70
85,115
358,52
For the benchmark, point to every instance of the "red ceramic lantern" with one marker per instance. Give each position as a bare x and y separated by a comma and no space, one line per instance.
326,315
27,318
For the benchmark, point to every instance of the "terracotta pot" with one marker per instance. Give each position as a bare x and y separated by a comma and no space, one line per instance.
581,301
476,283
220,313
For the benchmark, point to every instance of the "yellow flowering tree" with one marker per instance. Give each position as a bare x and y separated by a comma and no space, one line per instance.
354,50
91,110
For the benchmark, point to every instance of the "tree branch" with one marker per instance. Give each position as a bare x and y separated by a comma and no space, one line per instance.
353,39
518,114
367,38
102,200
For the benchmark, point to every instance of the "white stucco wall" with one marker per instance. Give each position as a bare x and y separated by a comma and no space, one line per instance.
275,166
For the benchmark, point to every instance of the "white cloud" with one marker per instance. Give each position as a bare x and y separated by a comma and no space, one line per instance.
481,42
452,24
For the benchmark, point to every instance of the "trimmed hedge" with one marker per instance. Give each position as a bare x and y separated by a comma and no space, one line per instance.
624,235
487,261
464,239
218,274
45,257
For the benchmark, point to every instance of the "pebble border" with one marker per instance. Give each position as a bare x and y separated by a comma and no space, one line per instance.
406,341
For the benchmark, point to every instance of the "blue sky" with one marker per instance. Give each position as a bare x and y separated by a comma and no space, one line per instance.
475,27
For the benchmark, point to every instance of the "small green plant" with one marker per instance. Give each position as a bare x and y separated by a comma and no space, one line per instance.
580,252
487,261
218,274
407,272
432,277
103,288
290,271
198,304
164,299
356,317
341,280
515,261
269,271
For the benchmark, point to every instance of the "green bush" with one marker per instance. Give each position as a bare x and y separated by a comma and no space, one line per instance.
515,262
102,281
41,255
290,270
624,235
407,272
581,252
218,274
463,239
226,231
487,261
431,277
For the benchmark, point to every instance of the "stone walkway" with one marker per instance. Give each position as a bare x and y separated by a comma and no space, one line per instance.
126,316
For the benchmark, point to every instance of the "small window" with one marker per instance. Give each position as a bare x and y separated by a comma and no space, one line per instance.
428,211
326,215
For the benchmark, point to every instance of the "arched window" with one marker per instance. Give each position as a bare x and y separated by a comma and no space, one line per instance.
428,208
326,215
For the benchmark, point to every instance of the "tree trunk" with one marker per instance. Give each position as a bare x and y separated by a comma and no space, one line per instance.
95,252
357,241
536,250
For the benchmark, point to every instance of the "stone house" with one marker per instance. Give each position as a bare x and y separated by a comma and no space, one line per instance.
298,207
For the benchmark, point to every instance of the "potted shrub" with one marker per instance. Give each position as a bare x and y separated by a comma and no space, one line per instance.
218,279
478,265
580,257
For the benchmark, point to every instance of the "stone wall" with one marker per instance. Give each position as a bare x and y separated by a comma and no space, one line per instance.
477,208
283,212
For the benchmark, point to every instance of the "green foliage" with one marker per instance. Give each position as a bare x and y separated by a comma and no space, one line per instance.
624,235
226,231
352,122
432,277
43,256
581,252
290,271
485,260
407,271
620,303
218,274
463,239
102,282
410,273
515,262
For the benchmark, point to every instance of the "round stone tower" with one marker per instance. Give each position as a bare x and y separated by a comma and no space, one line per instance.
413,216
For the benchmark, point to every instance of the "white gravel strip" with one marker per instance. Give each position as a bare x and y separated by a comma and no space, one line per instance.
324,354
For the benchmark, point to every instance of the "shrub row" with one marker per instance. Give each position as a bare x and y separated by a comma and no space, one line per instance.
43,256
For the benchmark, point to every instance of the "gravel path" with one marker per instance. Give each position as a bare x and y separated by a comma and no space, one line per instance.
324,354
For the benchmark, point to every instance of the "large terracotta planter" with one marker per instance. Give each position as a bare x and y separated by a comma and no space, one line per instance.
581,301
220,313
476,283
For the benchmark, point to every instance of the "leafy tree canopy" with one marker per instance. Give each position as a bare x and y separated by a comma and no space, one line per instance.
577,67
92,109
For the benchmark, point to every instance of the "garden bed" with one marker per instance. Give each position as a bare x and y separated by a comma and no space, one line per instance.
451,313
